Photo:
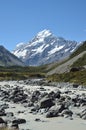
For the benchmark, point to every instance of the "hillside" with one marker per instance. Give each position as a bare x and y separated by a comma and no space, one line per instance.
79,50
72,69
8,59
65,67
76,59
21,73
82,60
57,71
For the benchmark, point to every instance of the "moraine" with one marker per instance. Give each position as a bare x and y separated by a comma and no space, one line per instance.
29,101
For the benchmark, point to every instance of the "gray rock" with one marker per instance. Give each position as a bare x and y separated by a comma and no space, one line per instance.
2,112
55,111
14,126
19,121
3,122
46,103
37,119
9,114
67,112
35,96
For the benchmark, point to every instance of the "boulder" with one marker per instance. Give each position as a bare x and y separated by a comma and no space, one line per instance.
67,112
35,96
75,85
83,114
37,119
82,101
55,111
54,95
84,117
9,114
4,106
52,114
74,69
15,126
75,99
19,121
46,103
35,108
3,122
2,112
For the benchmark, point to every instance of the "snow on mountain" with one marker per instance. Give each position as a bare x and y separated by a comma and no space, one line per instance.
44,33
55,49
20,44
44,48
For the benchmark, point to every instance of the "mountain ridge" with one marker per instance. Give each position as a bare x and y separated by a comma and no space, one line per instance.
44,48
72,70
76,59
8,59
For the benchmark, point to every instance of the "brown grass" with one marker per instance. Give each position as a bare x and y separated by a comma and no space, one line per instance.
6,128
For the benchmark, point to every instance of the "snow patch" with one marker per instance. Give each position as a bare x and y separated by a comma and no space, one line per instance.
67,49
55,49
19,44
20,53
72,50
44,33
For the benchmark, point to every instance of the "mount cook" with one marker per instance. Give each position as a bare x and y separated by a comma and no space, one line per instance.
44,48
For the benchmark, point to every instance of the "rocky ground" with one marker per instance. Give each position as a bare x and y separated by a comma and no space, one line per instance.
65,67
37,104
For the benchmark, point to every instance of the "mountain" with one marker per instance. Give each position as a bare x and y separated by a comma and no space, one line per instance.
44,48
73,69
8,59
76,60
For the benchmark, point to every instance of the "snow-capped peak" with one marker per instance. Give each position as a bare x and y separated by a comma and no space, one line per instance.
44,33
19,44
44,48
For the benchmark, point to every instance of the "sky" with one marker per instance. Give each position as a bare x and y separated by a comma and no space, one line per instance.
21,20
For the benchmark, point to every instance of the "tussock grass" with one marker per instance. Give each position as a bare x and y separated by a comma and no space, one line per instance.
73,77
6,128
80,62
21,73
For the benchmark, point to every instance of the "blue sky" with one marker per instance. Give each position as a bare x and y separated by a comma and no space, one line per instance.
21,20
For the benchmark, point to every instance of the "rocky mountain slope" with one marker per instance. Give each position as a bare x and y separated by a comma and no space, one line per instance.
45,48
8,59
77,59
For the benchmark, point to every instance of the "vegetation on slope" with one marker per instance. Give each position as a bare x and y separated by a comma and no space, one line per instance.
52,66
80,62
78,77
20,73
79,50
6,128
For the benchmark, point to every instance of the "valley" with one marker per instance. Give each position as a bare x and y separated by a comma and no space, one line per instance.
43,65
35,104
51,95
